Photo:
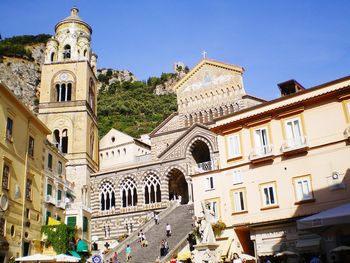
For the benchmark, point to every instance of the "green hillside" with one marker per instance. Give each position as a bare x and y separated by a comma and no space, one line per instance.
132,107
16,46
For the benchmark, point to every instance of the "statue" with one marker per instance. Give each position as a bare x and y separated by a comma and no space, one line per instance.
205,227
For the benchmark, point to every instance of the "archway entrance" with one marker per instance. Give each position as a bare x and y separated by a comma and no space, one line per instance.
201,155
178,186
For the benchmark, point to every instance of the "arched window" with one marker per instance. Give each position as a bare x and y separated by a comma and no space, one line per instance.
128,192
66,51
107,196
85,53
52,56
152,189
63,92
61,140
92,94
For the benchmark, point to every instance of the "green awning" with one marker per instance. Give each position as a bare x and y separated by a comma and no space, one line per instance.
82,246
74,254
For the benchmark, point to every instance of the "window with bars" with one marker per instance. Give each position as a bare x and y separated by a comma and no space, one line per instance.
31,146
5,176
9,128
29,189
49,161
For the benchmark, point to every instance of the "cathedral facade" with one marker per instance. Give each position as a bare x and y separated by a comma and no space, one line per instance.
124,195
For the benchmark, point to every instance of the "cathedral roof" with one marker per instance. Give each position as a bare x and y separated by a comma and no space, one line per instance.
73,18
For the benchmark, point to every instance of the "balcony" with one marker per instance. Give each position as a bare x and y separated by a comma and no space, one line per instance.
261,154
295,145
50,199
205,167
61,204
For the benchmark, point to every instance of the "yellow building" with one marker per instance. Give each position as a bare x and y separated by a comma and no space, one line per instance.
22,148
281,161
68,107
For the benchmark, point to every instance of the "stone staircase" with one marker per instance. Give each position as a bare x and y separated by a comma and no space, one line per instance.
180,220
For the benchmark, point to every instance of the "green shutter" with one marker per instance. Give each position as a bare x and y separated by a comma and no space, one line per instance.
49,189
59,195
71,221
85,224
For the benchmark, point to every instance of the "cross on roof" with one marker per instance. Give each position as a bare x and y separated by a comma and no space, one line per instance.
204,54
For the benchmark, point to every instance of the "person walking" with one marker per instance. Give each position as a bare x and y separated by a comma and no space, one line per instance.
156,218
128,252
173,258
140,236
168,230
161,248
166,247
115,258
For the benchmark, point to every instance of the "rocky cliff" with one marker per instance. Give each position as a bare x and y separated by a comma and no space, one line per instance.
22,75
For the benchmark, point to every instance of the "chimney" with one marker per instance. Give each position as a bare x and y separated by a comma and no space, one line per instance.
290,87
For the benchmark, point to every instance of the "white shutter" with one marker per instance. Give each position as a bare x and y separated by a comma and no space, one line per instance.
234,148
237,176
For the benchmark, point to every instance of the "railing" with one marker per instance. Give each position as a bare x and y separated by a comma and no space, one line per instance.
260,152
204,167
177,248
294,143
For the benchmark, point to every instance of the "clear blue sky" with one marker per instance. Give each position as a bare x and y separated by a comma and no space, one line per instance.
273,40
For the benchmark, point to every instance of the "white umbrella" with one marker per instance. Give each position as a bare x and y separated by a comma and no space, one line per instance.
247,257
66,258
286,253
36,257
341,248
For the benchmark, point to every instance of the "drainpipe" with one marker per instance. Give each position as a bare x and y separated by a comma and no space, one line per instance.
24,198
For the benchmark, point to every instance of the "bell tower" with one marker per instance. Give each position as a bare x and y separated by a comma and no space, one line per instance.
68,101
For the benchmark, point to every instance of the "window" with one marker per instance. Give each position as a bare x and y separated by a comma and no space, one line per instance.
294,133
107,196
63,92
27,213
59,168
152,189
213,206
269,194
239,200
92,95
61,140
49,190
303,188
71,221
234,146
237,176
49,161
9,128
48,214
210,183
85,224
67,51
128,192
59,195
2,227
5,176
52,56
29,189
262,146
31,146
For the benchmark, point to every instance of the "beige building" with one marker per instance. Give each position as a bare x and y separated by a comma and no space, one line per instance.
22,149
68,107
280,161
118,149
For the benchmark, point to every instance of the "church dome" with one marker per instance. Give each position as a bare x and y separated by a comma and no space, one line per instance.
73,19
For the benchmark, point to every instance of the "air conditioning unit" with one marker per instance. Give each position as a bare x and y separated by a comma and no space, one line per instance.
347,133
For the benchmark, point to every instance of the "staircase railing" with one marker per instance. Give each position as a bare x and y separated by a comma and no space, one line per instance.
134,236
179,246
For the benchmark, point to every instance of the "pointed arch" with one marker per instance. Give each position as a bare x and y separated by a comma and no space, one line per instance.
107,196
152,190
128,192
